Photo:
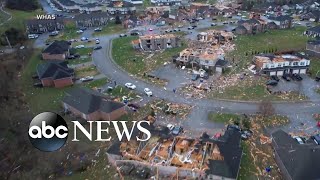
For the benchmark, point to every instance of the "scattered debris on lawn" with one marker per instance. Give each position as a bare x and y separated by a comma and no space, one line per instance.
175,109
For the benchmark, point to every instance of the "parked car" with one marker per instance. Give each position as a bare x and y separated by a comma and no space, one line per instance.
38,84
316,139
83,28
194,77
317,78
79,46
286,77
272,83
98,29
297,77
134,33
170,127
275,78
86,79
148,92
176,130
122,35
130,86
300,140
33,36
71,57
79,31
54,33
97,48
84,39
194,26
132,105
150,29
190,27
213,24
97,41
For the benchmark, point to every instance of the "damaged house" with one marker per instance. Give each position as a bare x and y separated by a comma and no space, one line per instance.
208,59
279,65
282,21
166,156
120,8
157,42
38,26
91,20
252,26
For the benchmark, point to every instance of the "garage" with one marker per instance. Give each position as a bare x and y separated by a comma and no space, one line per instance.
303,71
296,71
272,73
279,73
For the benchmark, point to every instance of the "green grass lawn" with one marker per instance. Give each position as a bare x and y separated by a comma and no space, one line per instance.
79,60
280,40
39,99
126,57
86,71
146,3
318,90
315,67
96,83
247,169
69,32
211,27
3,16
18,19
222,117
135,62
121,91
111,28
253,90
83,51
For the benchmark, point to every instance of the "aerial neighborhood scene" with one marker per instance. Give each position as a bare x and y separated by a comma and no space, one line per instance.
227,89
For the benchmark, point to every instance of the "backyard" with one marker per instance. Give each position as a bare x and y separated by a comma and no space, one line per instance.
274,40
138,63
110,28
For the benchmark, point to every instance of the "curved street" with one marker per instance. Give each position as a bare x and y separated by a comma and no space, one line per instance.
298,112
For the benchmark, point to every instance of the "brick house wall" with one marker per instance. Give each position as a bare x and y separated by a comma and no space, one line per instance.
47,82
47,56
59,83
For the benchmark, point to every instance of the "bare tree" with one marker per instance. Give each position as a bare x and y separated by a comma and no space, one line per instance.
266,109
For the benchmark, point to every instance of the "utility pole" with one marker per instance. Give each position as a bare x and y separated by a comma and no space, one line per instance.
8,41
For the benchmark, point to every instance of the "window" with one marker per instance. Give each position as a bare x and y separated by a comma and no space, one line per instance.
295,63
271,65
279,64
206,61
302,63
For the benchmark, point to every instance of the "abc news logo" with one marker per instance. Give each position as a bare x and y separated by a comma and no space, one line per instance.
48,131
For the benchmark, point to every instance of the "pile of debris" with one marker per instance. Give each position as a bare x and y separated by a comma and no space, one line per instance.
175,109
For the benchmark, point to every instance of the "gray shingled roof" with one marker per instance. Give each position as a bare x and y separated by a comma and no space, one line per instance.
57,47
88,101
54,69
302,161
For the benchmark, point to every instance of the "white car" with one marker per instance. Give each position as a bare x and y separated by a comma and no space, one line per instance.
84,39
148,92
170,127
97,41
79,46
299,139
79,31
130,85
85,79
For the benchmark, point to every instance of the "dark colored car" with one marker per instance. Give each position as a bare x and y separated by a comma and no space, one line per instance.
177,130
275,78
317,78
194,26
71,57
194,77
297,77
83,28
97,48
272,83
38,84
286,77
76,55
134,34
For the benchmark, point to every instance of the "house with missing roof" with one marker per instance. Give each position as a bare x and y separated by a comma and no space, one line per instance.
313,32
91,105
58,50
279,65
313,47
55,74
251,26
167,156
211,60
158,42
296,161
282,21
120,8
91,20
38,26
